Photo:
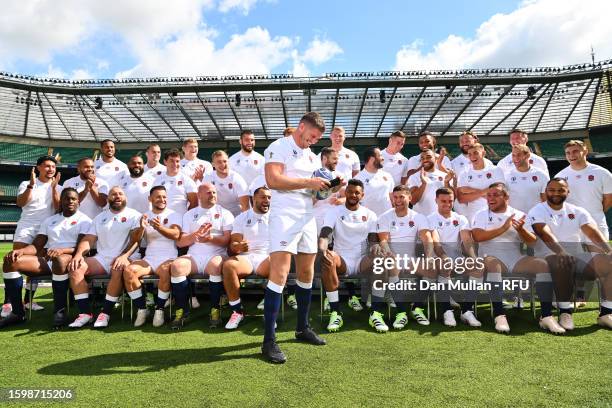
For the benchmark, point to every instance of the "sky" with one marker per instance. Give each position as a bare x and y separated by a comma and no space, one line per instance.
81,39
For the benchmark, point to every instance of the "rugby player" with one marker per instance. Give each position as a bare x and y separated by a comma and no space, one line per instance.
473,183
452,238
427,141
562,227
247,162
153,166
206,231
162,230
377,182
249,246
499,230
93,191
116,232
191,165
350,226
520,137
48,254
293,230
348,161
137,185
526,183
329,161
424,184
398,231
108,167
180,188
232,190
395,163
462,162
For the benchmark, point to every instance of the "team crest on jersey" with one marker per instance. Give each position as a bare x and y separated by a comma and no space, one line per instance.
347,156
123,219
217,215
455,223
165,221
571,216
530,161
364,218
399,162
180,182
488,175
255,162
116,168
144,183
591,177
73,223
411,224
440,178
534,178
159,173
385,178
230,186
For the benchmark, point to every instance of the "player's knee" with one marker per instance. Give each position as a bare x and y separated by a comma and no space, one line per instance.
180,266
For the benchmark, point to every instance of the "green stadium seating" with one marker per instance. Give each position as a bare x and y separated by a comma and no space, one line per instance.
601,143
21,152
9,213
8,185
553,148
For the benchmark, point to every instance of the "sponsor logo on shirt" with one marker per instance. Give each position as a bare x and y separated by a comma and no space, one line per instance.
283,243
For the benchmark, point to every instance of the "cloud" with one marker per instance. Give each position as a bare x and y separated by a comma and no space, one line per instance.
242,5
318,52
537,33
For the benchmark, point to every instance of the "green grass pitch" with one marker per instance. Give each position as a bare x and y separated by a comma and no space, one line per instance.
427,367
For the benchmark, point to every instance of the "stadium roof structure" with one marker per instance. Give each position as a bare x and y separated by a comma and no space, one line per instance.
367,104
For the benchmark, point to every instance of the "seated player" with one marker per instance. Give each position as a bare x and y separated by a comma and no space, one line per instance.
206,231
350,226
398,231
559,225
499,230
116,232
59,235
450,233
248,248
162,230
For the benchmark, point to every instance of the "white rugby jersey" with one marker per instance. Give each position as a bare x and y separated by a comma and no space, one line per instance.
377,187
348,161
137,191
88,206
158,170
403,231
157,244
506,164
40,205
254,230
587,188
63,232
477,179
448,230
113,230
488,220
350,228
177,188
396,165
564,224
189,166
248,166
462,162
111,172
229,190
415,162
427,203
299,163
525,187
221,221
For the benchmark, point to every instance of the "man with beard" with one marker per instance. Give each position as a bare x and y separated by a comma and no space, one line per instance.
108,167
153,166
162,230
137,185
394,162
427,141
348,161
180,188
520,137
191,165
232,190
247,162
206,231
473,183
116,231
329,161
462,162
559,225
249,250
424,184
38,199
293,230
526,183
351,227
92,190
378,184
499,230
59,235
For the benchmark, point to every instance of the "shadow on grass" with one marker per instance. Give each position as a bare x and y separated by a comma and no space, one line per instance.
150,361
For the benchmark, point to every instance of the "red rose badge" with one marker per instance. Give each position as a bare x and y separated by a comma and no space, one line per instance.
411,224
180,182
123,219
73,223
571,216
217,215
591,177
534,178
488,175
455,223
364,218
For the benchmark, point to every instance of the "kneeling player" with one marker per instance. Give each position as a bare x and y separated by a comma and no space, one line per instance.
499,230
249,245
117,232
162,230
350,225
559,225
59,234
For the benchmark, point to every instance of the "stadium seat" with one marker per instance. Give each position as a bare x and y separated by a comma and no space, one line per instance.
9,213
